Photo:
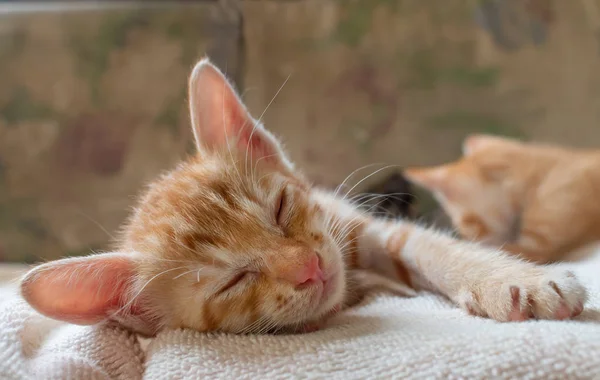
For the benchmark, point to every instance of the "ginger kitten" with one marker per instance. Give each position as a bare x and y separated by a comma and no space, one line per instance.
534,200
235,239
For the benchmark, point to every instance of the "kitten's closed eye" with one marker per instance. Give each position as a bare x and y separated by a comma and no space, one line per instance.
280,210
235,280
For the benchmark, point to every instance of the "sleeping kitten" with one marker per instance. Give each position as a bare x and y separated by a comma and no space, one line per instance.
534,200
235,239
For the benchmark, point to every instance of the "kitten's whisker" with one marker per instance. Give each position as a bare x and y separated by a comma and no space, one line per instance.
259,325
337,232
328,219
248,89
184,273
139,292
342,235
367,177
356,238
257,123
342,241
251,326
226,134
330,215
382,210
173,261
353,240
97,224
369,200
265,327
350,175
344,248
271,327
251,148
256,329
332,220
384,214
248,328
349,225
390,195
265,175
256,165
238,139
274,97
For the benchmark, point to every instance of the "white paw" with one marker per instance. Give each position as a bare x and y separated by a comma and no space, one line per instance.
524,292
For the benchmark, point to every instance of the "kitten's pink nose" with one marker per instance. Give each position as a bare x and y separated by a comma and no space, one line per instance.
309,273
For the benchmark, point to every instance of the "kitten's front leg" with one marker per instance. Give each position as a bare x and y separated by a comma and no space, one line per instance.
483,281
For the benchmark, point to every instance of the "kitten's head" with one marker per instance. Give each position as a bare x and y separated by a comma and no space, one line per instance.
480,191
232,239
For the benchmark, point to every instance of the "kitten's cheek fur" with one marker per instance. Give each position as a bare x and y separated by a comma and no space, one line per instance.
336,289
326,299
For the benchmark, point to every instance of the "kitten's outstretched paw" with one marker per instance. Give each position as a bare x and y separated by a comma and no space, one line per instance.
517,295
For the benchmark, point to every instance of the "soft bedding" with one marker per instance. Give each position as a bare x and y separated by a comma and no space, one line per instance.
385,337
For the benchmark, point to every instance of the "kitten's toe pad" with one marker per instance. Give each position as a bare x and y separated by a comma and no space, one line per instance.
543,293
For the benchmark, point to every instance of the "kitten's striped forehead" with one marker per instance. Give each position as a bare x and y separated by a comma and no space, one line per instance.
204,205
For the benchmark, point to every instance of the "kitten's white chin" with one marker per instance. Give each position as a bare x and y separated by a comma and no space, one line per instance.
331,295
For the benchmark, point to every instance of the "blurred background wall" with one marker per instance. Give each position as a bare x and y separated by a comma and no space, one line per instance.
92,96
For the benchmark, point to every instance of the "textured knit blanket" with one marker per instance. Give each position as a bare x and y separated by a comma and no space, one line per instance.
385,337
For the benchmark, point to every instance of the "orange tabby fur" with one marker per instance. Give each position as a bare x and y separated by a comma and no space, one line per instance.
236,239
533,200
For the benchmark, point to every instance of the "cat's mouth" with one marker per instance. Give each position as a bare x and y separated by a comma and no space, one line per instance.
326,296
328,287
324,287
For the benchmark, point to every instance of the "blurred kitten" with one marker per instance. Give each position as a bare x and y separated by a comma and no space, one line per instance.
532,199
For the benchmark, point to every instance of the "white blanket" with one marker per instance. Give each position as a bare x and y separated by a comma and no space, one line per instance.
385,337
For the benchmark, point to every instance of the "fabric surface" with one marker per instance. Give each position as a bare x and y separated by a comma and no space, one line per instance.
35,347
384,337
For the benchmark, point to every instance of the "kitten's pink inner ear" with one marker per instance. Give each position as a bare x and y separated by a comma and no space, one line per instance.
221,121
429,178
81,290
216,112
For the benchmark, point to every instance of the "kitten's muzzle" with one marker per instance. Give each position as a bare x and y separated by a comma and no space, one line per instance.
304,274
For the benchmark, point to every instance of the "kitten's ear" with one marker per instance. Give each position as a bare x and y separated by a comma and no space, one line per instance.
432,178
476,143
88,290
221,121
438,180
